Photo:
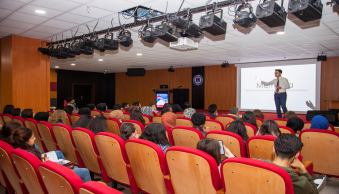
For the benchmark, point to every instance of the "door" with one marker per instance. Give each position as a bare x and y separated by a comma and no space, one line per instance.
82,95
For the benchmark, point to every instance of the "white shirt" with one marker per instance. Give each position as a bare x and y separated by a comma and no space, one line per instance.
283,83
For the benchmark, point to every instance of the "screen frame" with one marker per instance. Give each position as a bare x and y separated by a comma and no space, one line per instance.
156,94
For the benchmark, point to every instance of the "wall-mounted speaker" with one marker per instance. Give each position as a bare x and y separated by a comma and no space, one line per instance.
136,71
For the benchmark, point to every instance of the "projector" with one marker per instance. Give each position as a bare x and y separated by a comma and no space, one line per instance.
244,18
213,24
271,14
184,43
166,32
306,10
124,38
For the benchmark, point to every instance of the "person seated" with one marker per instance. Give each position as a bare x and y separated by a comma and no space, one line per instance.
188,112
295,123
117,107
234,112
212,110
125,105
269,127
187,105
58,117
7,130
102,107
41,116
136,115
156,133
147,110
249,117
211,147
154,108
168,105
289,114
27,114
178,108
8,109
128,131
97,124
16,112
132,108
82,121
258,114
68,109
137,103
117,114
319,122
84,111
169,119
199,120
71,102
91,106
239,128
23,138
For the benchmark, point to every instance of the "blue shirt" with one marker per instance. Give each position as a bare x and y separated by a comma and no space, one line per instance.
163,147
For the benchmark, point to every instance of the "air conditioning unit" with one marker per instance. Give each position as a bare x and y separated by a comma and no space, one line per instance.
184,43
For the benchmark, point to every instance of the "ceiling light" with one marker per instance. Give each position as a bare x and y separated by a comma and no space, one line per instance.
139,54
100,60
40,11
57,67
72,64
280,32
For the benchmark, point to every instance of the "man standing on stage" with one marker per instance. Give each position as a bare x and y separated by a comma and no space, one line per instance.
280,96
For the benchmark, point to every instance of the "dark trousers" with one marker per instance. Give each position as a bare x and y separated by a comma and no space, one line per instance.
280,100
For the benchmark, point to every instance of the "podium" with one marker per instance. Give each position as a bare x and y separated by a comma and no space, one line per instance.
162,91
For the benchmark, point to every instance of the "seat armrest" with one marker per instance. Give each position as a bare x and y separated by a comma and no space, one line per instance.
221,191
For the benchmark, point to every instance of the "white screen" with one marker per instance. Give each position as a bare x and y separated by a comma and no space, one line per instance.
303,77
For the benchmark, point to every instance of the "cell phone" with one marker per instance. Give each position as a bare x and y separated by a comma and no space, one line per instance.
222,151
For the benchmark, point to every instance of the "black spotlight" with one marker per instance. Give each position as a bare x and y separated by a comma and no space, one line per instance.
124,38
65,51
225,64
166,32
306,10
81,48
244,18
148,35
186,25
322,57
44,51
171,69
107,44
212,23
54,53
271,13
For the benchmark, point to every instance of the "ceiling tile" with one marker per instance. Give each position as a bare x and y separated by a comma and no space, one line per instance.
61,5
48,30
93,12
113,6
4,13
60,24
73,18
11,5
15,31
30,9
22,17
17,24
38,35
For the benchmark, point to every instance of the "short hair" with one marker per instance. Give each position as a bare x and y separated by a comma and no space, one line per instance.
151,104
84,111
280,71
68,109
287,146
198,119
82,121
269,127
102,107
187,105
212,108
27,113
124,104
167,105
16,112
117,107
238,127
136,103
126,130
90,106
234,111
289,114
41,116
97,124
249,117
8,109
69,99
156,133
165,110
295,123
211,147
258,113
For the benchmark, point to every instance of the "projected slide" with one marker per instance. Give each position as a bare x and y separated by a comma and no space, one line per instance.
162,98
300,97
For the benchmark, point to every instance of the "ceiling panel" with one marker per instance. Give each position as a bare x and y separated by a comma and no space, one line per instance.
23,17
93,12
60,24
17,24
4,13
30,9
11,5
61,5
73,18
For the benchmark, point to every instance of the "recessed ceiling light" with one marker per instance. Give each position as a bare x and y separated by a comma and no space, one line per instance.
139,54
100,60
40,11
57,67
72,64
280,32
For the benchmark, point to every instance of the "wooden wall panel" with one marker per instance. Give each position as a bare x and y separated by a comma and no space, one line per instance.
139,88
6,72
329,80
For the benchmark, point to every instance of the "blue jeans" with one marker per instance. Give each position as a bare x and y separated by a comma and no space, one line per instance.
280,100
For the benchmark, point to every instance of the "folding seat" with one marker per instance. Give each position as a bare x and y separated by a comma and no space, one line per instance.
281,122
7,118
68,120
184,122
12,178
114,159
227,125
19,120
2,122
124,110
33,125
2,180
243,175
27,166
75,117
106,113
87,151
284,129
232,141
59,179
214,125
186,136
208,116
147,118
93,187
250,129
50,112
259,122
46,133
126,115
224,119
113,126
193,171
149,166
179,114
95,112
139,126
307,125
153,114
63,137
168,134
157,119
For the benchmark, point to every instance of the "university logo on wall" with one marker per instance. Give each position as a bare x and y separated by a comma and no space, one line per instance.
198,80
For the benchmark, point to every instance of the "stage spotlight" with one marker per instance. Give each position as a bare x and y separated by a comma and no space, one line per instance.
81,48
166,32
306,10
271,13
107,44
148,35
171,69
124,38
225,64
244,18
65,51
44,51
212,23
54,53
322,57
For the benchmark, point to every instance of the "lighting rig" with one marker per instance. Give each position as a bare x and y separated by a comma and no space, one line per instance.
213,24
124,37
271,13
244,18
148,35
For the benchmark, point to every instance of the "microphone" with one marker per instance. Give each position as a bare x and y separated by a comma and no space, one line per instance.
179,87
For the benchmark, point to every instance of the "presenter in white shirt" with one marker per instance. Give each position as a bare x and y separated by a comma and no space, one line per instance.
280,95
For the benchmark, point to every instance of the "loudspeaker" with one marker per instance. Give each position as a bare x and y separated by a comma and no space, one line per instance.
331,116
136,71
180,96
271,14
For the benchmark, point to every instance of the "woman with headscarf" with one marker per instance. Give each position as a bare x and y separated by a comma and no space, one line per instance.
319,122
147,110
296,124
117,114
169,119
41,116
188,112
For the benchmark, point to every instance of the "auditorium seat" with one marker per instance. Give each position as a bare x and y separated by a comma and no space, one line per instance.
148,164
186,136
208,116
147,118
46,133
159,112
33,125
27,166
184,122
106,114
87,150
114,159
179,114
7,118
113,126
169,134
157,119
243,175
193,171
2,179
250,129
93,187
214,125
260,147
68,120
2,122
232,141
284,129
321,147
224,119
281,122
19,120
75,117
95,112
126,115
14,184
153,114
138,126
63,137
50,112
227,125
59,179
307,125
124,110
259,122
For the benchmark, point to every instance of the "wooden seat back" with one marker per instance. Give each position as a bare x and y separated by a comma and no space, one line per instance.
157,119
224,119
32,124
75,118
250,129
19,120
45,131
284,129
138,126
281,122
214,125
186,136
260,147
126,115
183,122
113,126
7,118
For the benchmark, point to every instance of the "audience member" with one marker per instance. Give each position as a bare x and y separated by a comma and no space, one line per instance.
169,119
102,107
258,114
199,120
41,116
58,117
97,124
84,111
147,110
319,122
154,108
132,108
8,109
117,107
239,128
269,127
289,114
296,124
128,131
27,114
71,102
165,110
156,133
212,110
136,115
7,130
188,112
187,105
16,112
234,112
249,117
168,105
211,147
137,103
117,114
125,105
82,121
68,109
91,106
178,108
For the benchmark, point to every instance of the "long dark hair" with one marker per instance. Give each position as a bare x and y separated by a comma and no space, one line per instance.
27,113
136,115
16,112
249,117
126,130
239,128
156,133
7,130
8,109
41,116
269,127
82,121
211,147
97,124
19,138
